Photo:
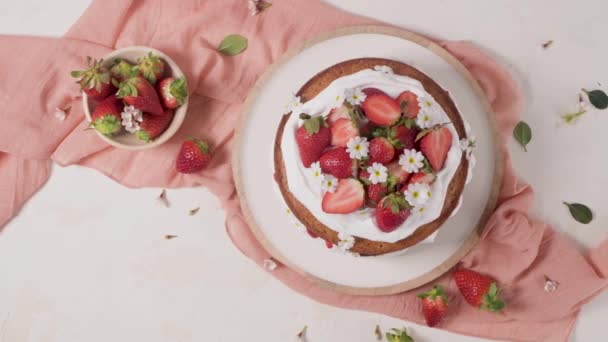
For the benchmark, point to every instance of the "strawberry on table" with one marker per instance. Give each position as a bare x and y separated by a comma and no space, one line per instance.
408,102
121,69
95,80
347,198
194,156
138,92
478,290
312,138
106,117
434,305
151,67
391,212
154,125
337,163
381,151
173,92
342,130
435,145
381,109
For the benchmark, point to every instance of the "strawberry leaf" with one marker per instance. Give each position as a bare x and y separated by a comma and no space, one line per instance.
580,212
409,123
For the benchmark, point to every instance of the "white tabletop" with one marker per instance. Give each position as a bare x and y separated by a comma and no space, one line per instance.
86,259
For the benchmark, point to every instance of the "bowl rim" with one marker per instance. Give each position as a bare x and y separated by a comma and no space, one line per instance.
179,115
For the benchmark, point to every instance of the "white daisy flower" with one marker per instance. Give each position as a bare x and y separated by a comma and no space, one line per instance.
357,147
329,184
419,210
417,194
411,161
355,96
426,119
467,145
378,173
384,68
339,99
295,105
316,172
345,242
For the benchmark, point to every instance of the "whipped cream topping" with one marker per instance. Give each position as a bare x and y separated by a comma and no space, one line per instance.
361,223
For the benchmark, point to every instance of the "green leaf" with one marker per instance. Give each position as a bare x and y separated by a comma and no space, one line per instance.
397,335
76,73
523,134
426,168
598,98
409,123
580,212
232,45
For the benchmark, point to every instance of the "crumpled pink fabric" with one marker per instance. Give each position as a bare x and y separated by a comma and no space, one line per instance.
515,248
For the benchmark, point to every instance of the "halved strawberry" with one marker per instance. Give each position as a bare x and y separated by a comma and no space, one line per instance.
435,145
381,109
408,102
347,198
312,138
397,170
337,162
342,130
336,114
372,91
403,137
391,212
434,305
381,151
421,177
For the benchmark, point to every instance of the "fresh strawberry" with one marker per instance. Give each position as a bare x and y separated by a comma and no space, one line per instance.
435,145
342,131
478,290
381,110
173,92
347,198
397,170
381,151
403,137
194,156
337,163
372,91
151,67
375,193
312,138
154,125
121,69
421,177
336,114
138,92
434,305
106,117
391,212
95,80
408,102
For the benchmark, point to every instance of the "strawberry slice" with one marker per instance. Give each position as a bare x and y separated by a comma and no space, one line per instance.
434,305
421,177
397,170
381,109
408,102
435,145
391,212
312,138
342,130
337,162
336,114
347,198
381,151
373,91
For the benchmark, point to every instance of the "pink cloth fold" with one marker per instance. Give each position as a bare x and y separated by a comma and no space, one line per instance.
515,248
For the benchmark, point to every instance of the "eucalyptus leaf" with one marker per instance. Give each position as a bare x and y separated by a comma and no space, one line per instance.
598,98
523,134
580,212
232,45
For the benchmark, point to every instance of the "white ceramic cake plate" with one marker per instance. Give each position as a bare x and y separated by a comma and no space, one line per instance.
280,232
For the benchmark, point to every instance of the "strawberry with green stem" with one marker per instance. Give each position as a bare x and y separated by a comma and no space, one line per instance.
479,290
398,335
391,212
434,305
194,156
138,92
106,118
121,69
154,125
312,138
173,92
151,67
95,80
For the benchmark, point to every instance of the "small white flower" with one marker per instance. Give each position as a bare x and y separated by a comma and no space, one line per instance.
467,145
339,99
355,96
131,126
316,172
384,68
295,105
417,193
269,264
131,117
426,119
330,183
357,147
419,210
60,114
377,173
345,242
411,161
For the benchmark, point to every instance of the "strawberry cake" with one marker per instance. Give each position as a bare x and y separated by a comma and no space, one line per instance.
373,156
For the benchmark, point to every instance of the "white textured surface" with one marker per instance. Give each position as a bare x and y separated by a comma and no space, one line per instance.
92,266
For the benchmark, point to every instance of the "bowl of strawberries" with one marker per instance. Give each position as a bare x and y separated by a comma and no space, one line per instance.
134,98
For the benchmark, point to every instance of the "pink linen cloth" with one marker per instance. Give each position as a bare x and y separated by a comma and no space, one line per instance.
515,249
